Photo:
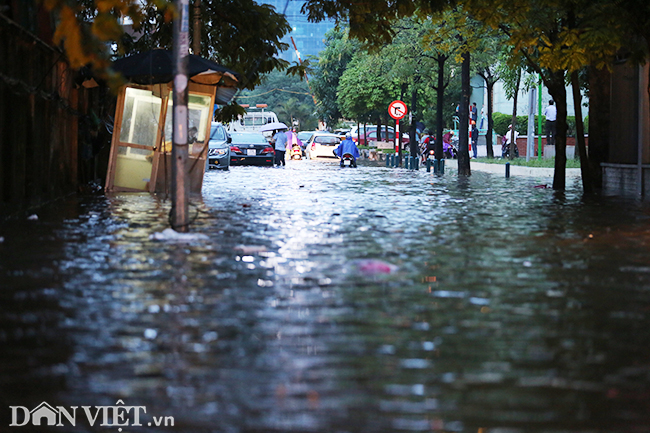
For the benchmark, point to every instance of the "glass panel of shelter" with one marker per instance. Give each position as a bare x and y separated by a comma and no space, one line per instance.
138,137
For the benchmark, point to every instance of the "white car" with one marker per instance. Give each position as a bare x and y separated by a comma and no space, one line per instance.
322,145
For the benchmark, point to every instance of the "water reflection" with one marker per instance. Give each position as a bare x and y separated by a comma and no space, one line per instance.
336,300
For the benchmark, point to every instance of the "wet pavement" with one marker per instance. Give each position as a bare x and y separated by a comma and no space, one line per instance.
330,300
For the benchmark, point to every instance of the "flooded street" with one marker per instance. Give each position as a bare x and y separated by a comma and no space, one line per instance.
330,300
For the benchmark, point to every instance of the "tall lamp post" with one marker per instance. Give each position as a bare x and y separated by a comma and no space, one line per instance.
180,178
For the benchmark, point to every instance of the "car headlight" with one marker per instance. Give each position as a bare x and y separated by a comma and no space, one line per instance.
217,152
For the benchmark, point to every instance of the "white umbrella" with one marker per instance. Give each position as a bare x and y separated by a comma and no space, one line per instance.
273,126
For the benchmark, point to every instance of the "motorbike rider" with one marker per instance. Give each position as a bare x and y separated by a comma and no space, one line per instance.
447,147
428,145
294,143
348,146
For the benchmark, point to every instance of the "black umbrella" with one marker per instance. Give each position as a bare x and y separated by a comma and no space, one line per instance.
157,66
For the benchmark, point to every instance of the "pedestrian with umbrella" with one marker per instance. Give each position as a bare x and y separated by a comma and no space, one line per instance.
280,143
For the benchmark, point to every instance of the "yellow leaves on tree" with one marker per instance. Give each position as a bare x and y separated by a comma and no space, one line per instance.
85,42
68,31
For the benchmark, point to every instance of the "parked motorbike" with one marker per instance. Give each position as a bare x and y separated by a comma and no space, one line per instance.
505,149
296,152
347,160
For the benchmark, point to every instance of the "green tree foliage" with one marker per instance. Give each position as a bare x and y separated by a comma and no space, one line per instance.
364,90
486,63
241,35
333,61
555,38
444,43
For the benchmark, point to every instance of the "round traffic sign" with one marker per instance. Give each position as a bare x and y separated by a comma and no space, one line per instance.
397,110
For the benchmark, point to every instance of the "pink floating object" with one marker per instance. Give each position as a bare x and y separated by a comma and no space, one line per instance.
374,267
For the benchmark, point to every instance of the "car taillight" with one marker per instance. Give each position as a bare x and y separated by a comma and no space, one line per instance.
268,149
235,149
313,146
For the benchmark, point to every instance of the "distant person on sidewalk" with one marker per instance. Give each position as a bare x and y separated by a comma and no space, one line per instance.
507,139
551,116
474,139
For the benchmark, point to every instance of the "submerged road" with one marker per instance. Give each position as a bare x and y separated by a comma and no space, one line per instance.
322,299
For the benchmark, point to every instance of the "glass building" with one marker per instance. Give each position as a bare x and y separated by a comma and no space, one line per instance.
307,36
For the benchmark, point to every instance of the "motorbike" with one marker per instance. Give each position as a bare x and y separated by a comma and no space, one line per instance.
347,160
427,150
449,150
505,149
296,152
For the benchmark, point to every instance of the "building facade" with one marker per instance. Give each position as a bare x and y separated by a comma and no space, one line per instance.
309,37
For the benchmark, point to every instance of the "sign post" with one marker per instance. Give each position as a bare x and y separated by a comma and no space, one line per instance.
180,177
397,110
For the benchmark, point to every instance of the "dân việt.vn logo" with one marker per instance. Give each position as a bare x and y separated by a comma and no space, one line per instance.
105,416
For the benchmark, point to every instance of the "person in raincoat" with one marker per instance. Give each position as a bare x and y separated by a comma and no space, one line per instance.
348,146
293,140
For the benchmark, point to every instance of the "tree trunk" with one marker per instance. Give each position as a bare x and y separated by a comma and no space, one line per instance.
585,170
378,130
490,123
463,128
513,122
440,99
599,100
196,39
556,87
412,133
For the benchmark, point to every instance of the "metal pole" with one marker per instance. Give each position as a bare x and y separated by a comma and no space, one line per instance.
397,143
180,178
539,120
640,138
530,139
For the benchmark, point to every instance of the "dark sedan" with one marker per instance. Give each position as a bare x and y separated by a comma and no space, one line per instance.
250,148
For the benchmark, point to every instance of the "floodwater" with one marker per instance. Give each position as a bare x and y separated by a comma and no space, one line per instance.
332,300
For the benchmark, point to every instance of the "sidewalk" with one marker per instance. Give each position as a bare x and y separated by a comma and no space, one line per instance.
515,170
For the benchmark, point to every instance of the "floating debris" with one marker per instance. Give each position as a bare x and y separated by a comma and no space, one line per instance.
173,235
250,249
375,267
